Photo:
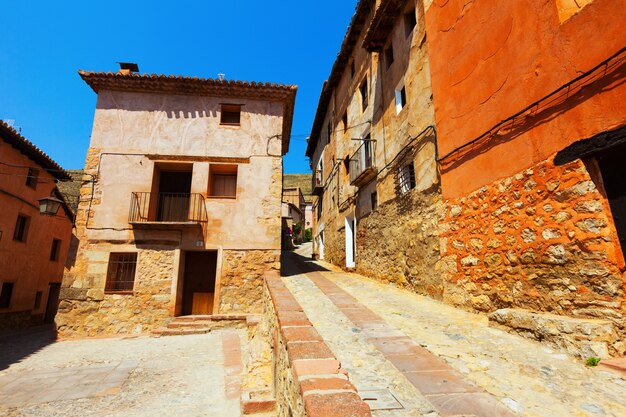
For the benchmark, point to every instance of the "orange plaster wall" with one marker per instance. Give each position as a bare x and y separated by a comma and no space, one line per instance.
490,59
28,264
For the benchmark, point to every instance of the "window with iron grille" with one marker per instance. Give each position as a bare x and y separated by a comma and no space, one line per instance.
406,178
31,179
121,272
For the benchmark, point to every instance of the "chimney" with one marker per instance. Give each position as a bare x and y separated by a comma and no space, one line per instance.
127,68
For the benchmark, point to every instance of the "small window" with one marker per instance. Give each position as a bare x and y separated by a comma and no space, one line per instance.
400,99
346,163
409,22
344,119
364,95
38,296
406,178
5,294
31,179
389,56
223,181
374,200
21,228
320,204
55,249
121,272
231,114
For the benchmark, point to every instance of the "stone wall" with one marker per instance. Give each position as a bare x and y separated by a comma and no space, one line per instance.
541,240
85,309
241,285
399,243
335,241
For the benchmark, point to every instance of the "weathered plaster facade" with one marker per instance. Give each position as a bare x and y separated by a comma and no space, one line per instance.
30,275
528,222
144,126
395,210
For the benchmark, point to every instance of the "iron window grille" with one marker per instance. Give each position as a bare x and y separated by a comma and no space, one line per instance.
121,272
406,178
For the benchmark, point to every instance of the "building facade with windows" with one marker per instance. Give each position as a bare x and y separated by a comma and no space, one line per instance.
372,150
183,214
531,127
33,246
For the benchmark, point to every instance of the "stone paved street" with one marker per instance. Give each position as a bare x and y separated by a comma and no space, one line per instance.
530,379
196,375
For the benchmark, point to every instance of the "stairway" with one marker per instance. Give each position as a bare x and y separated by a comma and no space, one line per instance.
201,324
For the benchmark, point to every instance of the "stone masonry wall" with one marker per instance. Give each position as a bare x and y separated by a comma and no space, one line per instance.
85,309
541,240
399,243
241,287
335,241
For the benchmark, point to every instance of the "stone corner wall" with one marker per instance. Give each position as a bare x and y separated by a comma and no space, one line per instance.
541,240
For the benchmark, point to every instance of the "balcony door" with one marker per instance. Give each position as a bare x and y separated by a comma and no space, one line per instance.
174,190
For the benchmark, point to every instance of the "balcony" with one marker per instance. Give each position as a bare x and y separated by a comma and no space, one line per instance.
170,209
318,184
362,164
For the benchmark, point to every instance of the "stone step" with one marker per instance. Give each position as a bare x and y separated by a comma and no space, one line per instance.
187,325
214,317
180,332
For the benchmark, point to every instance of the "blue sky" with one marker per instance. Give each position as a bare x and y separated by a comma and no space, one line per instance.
43,44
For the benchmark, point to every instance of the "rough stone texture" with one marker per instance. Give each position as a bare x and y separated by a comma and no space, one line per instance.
86,309
241,286
547,243
580,337
399,243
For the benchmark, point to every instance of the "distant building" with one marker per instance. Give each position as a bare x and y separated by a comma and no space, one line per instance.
303,183
184,213
33,246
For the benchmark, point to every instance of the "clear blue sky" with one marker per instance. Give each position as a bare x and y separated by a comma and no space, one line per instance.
44,43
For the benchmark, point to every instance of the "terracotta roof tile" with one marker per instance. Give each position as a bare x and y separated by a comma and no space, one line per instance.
15,139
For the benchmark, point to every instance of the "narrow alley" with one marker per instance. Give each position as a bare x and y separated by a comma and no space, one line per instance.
420,357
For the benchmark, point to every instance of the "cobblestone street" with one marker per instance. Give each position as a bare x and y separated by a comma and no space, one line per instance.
141,376
471,368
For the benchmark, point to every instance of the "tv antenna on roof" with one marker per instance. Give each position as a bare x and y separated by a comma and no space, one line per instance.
221,76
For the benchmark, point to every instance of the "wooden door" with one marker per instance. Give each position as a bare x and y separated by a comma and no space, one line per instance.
199,282
53,302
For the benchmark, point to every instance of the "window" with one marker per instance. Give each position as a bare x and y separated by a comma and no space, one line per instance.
389,56
406,178
231,114
409,22
121,272
5,294
346,163
223,181
374,200
344,119
55,249
31,179
352,69
320,204
400,99
364,95
37,300
21,228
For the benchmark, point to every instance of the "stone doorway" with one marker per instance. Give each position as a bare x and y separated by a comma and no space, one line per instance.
613,173
200,270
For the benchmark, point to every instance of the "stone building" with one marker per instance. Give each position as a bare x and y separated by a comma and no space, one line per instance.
183,214
372,150
531,132
33,245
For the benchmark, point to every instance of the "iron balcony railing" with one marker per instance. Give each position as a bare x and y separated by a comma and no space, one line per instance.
177,208
318,185
362,163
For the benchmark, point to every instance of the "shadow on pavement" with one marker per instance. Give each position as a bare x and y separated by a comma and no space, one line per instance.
295,264
16,345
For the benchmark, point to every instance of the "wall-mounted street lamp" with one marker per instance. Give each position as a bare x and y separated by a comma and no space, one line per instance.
49,205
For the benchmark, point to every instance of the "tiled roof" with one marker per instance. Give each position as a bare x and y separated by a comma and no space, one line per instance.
19,142
357,23
382,24
171,84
